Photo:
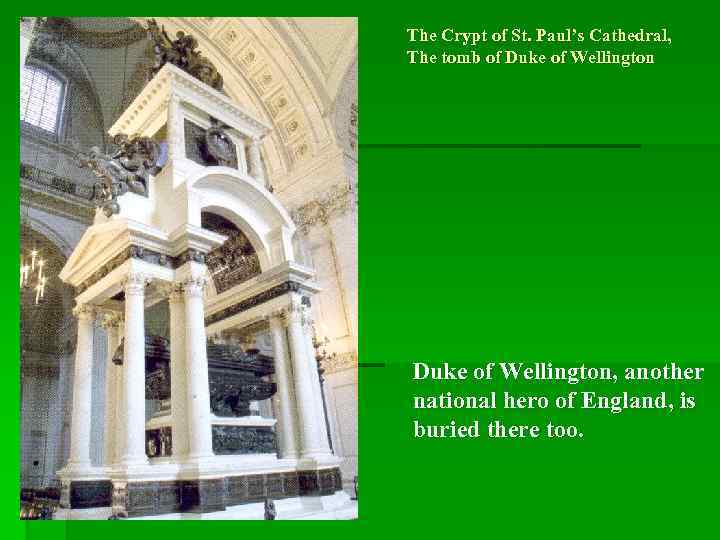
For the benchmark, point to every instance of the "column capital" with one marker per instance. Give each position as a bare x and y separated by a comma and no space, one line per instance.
296,311
175,292
194,286
85,312
111,319
277,317
135,283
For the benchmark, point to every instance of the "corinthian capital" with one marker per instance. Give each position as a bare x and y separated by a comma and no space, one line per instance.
110,320
277,318
174,292
194,287
85,312
297,312
135,284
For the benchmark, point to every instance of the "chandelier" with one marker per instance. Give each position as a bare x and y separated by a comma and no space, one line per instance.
32,277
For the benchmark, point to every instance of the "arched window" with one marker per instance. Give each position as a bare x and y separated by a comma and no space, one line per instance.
41,96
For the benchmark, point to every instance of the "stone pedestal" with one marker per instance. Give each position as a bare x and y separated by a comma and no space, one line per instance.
158,239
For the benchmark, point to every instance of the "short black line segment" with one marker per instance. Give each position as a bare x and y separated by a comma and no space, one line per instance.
504,145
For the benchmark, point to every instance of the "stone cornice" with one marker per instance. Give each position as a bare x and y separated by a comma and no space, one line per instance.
172,83
55,192
51,202
335,201
248,303
143,254
340,362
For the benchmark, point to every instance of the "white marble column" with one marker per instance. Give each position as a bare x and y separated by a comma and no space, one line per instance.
133,389
119,436
82,391
284,398
312,427
178,373
319,407
198,387
257,170
111,323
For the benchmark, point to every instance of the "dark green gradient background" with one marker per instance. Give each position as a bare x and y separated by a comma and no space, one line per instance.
469,255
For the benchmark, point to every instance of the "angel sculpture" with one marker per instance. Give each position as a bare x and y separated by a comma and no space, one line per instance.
127,169
181,53
112,176
140,156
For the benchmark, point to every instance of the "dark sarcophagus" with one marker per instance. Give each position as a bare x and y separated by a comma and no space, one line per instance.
236,378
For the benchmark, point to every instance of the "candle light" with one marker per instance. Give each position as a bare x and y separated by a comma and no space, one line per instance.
42,286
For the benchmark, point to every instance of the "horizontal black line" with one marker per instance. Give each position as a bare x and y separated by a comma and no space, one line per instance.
371,364
501,145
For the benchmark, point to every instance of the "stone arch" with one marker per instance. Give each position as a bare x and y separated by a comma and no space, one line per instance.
65,245
261,249
251,208
235,261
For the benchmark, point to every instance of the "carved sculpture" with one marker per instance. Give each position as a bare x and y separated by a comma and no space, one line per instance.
127,169
218,144
181,53
212,146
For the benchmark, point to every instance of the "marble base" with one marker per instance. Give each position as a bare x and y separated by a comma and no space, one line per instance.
146,497
332,507
85,494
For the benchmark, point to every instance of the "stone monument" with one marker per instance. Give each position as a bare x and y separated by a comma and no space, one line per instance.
185,148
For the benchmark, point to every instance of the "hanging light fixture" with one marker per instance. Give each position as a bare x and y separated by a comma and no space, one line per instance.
32,273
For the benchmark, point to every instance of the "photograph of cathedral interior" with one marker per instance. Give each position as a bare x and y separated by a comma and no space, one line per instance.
188,268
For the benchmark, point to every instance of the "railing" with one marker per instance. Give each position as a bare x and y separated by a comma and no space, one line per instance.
48,179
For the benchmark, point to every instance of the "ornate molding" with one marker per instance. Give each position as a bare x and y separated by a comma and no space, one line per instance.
189,255
340,362
143,254
249,303
51,182
334,202
157,88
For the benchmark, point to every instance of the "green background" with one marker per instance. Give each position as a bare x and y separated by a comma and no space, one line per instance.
475,254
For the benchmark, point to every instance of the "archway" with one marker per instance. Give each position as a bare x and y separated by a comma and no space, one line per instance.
47,340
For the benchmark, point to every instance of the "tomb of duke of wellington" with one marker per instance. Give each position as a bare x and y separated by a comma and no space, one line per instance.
187,433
